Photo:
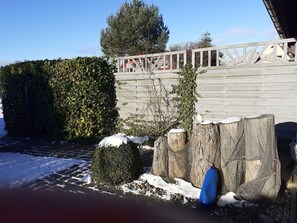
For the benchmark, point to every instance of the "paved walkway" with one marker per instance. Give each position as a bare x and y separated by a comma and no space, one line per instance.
72,179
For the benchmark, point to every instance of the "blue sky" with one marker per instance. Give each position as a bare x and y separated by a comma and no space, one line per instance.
51,29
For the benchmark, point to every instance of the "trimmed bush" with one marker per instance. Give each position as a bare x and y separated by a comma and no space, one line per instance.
116,165
84,92
75,98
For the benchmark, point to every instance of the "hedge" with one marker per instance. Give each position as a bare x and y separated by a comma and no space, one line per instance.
73,98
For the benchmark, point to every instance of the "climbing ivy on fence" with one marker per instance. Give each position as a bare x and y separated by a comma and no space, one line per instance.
187,96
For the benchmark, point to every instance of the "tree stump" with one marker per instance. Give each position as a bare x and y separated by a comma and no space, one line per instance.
232,154
178,165
160,160
205,150
262,176
177,139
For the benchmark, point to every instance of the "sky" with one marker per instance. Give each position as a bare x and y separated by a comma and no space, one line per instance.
52,29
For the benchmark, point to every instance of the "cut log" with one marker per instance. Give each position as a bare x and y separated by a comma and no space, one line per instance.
205,150
160,160
177,139
178,164
232,152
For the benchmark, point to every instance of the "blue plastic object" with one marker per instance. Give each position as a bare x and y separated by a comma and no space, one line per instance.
209,188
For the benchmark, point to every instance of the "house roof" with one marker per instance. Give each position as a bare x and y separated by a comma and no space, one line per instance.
283,14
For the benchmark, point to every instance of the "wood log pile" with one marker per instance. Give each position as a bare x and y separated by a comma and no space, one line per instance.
243,151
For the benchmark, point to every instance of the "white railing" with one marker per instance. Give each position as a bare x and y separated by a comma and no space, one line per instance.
277,51
160,62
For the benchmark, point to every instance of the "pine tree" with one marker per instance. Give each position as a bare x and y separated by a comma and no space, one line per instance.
136,29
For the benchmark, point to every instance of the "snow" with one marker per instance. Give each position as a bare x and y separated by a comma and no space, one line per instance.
18,169
138,140
177,130
147,147
230,120
119,139
252,116
207,122
179,187
115,140
228,199
87,178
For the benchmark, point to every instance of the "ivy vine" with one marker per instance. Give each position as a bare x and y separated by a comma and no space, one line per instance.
187,95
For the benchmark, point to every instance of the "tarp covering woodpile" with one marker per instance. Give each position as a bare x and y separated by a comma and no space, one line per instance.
250,164
244,151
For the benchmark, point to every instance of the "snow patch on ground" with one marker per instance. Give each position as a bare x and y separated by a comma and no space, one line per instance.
179,187
87,178
228,199
18,169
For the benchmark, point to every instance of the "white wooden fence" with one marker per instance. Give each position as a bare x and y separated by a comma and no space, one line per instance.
240,80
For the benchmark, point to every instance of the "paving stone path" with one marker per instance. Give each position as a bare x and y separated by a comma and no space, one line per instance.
68,180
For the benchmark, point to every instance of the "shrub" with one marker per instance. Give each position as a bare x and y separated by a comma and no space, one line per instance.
84,92
72,98
116,165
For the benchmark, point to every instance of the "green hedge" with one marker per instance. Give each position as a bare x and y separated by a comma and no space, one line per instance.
116,165
74,98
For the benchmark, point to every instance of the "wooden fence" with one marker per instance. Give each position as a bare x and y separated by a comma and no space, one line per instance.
240,80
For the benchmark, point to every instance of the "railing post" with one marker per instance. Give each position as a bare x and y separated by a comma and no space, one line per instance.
209,58
217,57
274,52
285,55
295,51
